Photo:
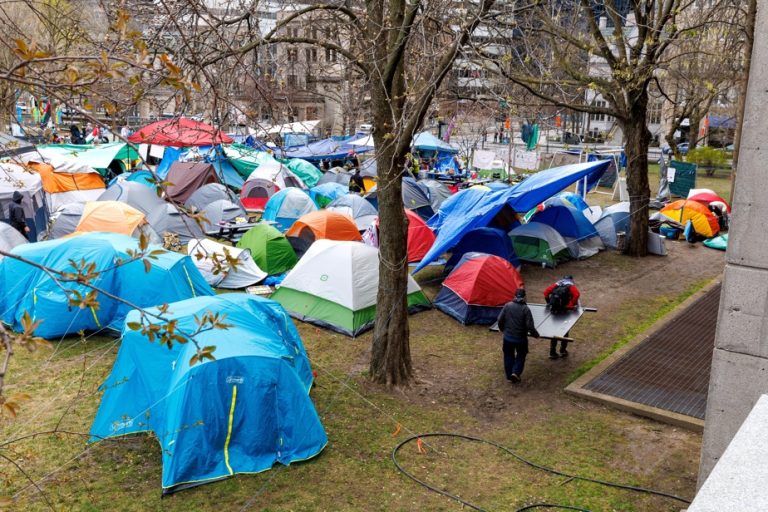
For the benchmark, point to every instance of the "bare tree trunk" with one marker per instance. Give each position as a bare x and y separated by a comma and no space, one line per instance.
637,138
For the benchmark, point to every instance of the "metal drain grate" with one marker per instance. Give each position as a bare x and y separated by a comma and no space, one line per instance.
669,370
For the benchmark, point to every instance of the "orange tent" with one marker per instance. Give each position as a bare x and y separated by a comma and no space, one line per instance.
110,216
55,182
704,221
325,225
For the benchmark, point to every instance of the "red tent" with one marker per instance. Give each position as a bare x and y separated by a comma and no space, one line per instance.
706,198
180,133
420,236
478,288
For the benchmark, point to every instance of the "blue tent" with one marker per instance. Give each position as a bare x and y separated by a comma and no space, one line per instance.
286,206
326,193
581,236
425,141
575,199
240,413
614,219
485,240
143,177
522,197
497,185
171,277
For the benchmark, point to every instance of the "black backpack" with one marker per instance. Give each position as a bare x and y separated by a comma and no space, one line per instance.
559,298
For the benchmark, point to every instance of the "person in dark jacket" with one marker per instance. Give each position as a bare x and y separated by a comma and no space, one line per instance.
516,324
16,215
356,182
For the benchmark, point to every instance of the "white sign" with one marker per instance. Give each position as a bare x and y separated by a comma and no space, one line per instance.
528,160
156,151
483,159
671,174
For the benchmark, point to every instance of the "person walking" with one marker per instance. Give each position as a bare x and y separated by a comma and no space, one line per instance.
17,217
516,323
561,296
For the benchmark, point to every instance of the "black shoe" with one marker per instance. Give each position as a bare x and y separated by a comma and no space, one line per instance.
564,353
553,356
514,378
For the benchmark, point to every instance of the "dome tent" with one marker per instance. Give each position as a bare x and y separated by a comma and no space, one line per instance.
209,193
135,194
477,289
244,273
614,219
250,406
436,191
171,277
9,238
539,243
286,206
356,208
486,240
307,172
414,198
222,210
185,178
269,177
325,193
111,217
169,219
336,175
704,222
578,232
335,284
64,220
269,249
321,225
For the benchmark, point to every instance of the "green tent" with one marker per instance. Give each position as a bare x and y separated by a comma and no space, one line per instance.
335,286
308,173
245,159
539,243
269,249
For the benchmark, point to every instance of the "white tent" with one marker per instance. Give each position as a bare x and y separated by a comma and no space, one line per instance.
9,238
297,127
245,273
335,284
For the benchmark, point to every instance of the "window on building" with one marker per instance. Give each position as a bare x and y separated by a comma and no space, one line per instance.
599,117
654,113
311,54
292,55
291,80
311,113
330,55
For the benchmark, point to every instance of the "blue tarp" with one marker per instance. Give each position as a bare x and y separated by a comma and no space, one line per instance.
143,177
461,201
241,413
486,240
171,277
480,211
425,141
170,155
326,149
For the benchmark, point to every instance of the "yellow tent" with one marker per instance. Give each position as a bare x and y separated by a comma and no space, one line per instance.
110,216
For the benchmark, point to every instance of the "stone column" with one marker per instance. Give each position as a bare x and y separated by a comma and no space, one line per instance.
739,372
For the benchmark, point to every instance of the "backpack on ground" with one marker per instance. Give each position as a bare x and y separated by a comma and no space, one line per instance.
559,298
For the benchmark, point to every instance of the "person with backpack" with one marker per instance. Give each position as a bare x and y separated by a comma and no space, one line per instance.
516,324
561,296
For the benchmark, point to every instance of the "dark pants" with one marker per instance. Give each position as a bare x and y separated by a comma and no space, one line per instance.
514,356
553,347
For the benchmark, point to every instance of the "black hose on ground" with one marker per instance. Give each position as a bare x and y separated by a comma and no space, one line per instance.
524,461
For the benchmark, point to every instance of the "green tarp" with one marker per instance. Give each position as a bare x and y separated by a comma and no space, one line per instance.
684,178
96,156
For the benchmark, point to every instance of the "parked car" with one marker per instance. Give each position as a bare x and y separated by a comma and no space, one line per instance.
682,148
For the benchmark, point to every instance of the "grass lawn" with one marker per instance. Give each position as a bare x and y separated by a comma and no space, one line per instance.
459,387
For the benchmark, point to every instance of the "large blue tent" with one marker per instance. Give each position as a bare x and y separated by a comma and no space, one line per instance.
480,212
425,141
171,277
240,413
326,149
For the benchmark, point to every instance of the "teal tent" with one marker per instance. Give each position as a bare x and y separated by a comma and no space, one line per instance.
308,173
240,413
171,277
